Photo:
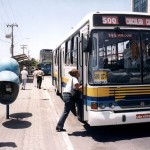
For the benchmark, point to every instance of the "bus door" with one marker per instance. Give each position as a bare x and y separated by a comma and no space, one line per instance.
55,69
61,69
52,73
82,67
59,72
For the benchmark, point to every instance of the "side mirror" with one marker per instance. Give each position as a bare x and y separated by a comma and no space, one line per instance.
9,80
87,44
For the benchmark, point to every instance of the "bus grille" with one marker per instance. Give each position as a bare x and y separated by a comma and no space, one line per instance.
131,97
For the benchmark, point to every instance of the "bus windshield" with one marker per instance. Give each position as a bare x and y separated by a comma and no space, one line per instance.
119,57
48,66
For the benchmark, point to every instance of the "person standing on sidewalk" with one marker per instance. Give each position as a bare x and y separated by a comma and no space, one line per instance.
24,76
35,77
40,77
67,98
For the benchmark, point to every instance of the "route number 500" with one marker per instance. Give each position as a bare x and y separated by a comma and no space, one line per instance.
110,20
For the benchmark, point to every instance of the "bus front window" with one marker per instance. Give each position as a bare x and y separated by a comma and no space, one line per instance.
119,58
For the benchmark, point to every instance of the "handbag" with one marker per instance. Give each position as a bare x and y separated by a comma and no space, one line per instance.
74,93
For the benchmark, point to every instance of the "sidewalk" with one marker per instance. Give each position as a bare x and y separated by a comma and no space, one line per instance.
32,122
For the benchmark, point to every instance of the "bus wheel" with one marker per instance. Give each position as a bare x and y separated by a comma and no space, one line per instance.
79,110
57,92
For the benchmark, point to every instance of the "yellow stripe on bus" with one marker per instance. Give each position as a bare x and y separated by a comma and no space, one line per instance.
55,75
65,80
97,92
118,93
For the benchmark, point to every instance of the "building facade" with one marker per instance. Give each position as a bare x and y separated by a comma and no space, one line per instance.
141,6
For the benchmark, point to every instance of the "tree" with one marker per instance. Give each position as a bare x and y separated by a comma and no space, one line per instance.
33,62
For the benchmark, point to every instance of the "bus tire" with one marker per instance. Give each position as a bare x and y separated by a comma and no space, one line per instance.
57,92
79,111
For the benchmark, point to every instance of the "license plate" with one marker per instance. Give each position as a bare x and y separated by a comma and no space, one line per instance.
142,116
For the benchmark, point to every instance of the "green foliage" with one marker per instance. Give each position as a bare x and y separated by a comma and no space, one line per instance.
33,62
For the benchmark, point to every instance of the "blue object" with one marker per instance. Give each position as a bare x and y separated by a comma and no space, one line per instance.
9,76
9,64
9,80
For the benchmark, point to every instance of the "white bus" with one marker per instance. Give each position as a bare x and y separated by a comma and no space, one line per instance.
112,52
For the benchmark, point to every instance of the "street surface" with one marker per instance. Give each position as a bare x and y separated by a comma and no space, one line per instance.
33,118
82,136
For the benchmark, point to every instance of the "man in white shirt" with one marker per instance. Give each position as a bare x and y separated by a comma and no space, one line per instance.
24,76
35,77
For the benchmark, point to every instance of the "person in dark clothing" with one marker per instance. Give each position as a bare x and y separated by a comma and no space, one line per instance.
40,77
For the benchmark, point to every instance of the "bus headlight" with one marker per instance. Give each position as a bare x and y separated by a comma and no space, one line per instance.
94,105
111,105
102,105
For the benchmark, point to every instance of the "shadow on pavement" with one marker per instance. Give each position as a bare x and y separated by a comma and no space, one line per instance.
8,144
25,89
16,124
44,99
16,121
114,133
20,115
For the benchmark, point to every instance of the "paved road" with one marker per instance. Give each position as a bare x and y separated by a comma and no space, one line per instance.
33,117
82,136
32,121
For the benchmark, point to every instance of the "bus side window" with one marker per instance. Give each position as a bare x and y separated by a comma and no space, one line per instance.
56,53
69,53
66,46
75,49
72,50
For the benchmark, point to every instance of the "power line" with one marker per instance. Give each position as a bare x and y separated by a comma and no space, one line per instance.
5,10
11,10
4,41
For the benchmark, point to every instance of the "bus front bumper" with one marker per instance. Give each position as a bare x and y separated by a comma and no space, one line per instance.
110,118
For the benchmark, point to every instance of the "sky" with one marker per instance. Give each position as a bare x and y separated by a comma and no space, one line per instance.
42,24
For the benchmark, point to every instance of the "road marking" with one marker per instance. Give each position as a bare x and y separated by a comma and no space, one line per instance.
64,134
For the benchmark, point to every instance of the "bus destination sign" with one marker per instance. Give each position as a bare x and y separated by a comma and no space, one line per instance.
121,20
137,21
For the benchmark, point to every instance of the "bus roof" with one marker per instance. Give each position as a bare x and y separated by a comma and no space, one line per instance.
89,17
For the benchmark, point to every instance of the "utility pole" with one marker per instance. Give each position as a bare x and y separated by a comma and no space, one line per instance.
28,55
12,37
23,47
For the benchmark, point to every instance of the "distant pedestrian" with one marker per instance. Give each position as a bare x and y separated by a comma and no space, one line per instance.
40,77
35,77
67,98
24,76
